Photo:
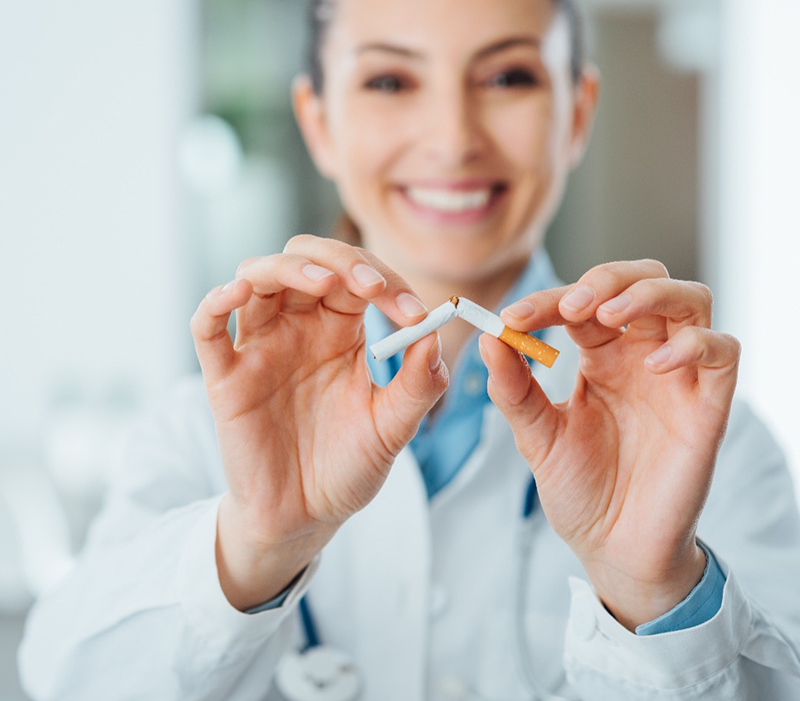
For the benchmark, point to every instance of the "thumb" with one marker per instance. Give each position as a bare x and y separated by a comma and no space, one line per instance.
518,396
400,406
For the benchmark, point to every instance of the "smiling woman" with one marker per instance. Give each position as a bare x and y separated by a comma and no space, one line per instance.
300,491
454,132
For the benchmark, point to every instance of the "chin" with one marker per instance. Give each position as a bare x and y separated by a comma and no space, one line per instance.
456,261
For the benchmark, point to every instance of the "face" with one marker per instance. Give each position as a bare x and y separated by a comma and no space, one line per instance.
449,127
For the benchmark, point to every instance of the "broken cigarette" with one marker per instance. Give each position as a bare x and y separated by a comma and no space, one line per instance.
476,315
402,339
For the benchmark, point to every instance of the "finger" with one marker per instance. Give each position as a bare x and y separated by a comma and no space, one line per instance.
364,278
281,281
209,326
592,334
420,383
518,396
714,355
576,303
648,305
527,314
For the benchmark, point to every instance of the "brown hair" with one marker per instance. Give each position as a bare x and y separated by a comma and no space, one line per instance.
321,14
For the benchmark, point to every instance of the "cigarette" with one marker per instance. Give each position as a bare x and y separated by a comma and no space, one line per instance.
476,315
402,339
492,324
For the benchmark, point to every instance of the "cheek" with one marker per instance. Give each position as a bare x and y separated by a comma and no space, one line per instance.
372,131
529,138
368,140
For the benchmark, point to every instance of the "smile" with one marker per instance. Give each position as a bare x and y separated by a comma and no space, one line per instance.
454,204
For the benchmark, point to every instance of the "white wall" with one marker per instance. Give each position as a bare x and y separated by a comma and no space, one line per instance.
758,244
94,258
92,272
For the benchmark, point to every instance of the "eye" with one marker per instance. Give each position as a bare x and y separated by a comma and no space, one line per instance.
386,84
515,78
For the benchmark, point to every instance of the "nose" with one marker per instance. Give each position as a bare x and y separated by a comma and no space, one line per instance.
453,132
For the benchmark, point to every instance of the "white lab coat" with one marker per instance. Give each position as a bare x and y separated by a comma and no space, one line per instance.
418,593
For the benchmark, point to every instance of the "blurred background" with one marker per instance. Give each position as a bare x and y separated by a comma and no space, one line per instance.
146,147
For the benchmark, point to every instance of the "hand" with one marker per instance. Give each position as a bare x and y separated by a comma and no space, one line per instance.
305,437
624,467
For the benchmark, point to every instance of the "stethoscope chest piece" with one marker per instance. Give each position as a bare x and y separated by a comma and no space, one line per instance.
320,673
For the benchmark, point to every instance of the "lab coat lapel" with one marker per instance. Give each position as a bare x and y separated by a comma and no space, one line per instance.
392,562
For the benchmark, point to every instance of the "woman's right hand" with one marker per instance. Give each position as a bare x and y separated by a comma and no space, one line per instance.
305,437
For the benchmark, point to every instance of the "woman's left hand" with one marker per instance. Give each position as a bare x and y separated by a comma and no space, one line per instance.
624,466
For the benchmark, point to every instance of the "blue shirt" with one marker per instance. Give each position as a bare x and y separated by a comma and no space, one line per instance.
443,444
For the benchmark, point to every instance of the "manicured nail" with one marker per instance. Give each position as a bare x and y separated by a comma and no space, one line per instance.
316,272
367,276
617,305
521,310
580,298
660,356
227,288
409,304
435,355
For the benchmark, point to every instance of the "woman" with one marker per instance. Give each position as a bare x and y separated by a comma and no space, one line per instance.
449,127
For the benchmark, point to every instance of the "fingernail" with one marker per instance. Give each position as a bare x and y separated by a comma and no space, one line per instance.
660,356
435,355
316,272
580,298
521,310
617,305
367,276
228,287
409,304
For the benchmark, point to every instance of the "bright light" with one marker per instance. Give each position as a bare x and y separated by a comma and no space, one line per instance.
209,154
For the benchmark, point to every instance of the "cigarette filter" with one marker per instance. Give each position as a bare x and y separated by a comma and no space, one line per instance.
492,324
402,339
530,346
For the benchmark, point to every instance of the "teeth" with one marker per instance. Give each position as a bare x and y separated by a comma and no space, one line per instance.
450,200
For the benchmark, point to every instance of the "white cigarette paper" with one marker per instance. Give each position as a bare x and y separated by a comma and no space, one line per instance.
479,317
402,339
476,315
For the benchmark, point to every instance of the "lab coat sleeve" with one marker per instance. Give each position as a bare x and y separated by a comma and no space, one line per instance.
142,615
751,648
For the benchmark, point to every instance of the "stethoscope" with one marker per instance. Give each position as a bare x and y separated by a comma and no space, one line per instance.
320,672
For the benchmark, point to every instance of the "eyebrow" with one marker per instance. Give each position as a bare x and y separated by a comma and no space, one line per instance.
509,43
497,47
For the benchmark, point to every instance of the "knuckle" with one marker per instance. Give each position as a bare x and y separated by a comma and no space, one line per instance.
195,322
600,277
656,266
735,346
647,288
347,256
705,293
242,268
299,241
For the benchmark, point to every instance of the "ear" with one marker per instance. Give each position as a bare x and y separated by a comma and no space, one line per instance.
587,95
310,115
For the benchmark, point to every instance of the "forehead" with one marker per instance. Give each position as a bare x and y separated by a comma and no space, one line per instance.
436,25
